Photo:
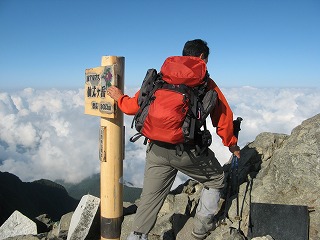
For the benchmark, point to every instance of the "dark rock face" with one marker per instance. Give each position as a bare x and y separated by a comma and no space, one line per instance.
33,198
292,173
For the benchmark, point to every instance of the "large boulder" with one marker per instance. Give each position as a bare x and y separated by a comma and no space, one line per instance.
275,168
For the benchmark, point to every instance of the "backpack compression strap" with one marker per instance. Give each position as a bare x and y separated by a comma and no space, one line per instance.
147,99
137,136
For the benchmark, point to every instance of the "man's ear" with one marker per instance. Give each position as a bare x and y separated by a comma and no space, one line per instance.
202,57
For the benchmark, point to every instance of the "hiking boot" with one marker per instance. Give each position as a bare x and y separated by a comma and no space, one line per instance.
202,226
137,236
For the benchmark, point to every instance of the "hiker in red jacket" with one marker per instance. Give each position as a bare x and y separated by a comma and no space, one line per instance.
163,162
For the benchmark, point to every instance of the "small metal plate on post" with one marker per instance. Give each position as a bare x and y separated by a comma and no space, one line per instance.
97,82
102,144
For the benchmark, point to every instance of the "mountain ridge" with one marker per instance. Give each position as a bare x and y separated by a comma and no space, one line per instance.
44,196
91,185
33,198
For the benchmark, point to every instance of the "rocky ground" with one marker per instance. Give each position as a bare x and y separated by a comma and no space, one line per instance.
274,169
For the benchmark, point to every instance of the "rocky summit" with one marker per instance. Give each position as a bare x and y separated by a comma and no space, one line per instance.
279,181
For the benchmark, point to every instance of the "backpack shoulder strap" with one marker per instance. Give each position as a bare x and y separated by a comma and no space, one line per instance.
148,84
152,82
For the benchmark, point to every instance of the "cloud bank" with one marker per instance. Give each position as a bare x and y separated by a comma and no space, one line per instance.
45,133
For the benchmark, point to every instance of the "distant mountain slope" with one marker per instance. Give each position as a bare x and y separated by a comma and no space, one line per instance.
46,197
91,185
33,198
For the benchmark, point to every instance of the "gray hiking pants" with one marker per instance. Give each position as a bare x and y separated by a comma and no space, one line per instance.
162,165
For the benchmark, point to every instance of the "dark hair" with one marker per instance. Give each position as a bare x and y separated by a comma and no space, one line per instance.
195,48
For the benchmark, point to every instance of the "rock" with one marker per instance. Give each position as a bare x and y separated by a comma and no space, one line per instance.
17,224
65,222
83,217
129,208
274,168
263,238
60,229
293,173
26,237
44,218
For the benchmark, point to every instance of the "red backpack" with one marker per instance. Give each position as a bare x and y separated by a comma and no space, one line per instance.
174,113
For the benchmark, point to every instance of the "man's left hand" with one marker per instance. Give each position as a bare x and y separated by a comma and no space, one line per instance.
235,150
114,92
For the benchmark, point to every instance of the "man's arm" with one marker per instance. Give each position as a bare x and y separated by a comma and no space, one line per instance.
128,105
222,119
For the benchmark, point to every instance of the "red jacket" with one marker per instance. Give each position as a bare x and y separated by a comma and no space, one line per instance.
188,70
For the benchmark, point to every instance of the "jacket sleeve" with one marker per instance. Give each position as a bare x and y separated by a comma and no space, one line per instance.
129,105
222,118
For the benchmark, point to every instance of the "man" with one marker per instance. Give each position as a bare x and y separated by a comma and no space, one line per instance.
163,162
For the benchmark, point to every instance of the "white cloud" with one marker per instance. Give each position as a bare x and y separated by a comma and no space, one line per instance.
45,133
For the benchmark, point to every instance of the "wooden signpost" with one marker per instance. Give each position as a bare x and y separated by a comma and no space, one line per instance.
111,151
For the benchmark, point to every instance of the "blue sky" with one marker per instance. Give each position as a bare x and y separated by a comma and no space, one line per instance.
266,43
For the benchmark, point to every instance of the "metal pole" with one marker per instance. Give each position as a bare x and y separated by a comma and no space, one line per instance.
112,152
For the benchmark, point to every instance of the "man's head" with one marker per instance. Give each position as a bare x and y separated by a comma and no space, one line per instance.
196,48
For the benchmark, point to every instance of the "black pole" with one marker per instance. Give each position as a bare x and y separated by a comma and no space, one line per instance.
236,126
233,171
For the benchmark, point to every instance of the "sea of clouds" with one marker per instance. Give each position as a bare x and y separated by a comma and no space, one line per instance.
45,133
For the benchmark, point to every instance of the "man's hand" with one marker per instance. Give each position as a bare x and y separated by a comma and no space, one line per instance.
114,93
235,150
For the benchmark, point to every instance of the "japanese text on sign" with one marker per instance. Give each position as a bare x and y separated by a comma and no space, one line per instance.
98,80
